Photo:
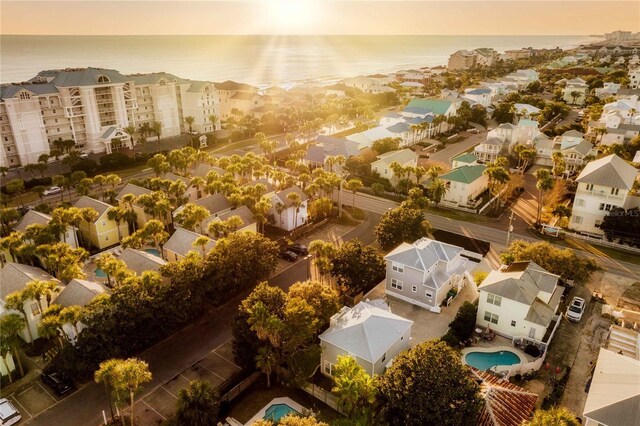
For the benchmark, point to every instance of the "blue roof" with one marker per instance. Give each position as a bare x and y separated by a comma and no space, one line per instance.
399,128
478,91
532,123
417,110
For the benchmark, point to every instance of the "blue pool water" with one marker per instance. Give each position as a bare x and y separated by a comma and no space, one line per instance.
100,273
485,360
153,251
277,411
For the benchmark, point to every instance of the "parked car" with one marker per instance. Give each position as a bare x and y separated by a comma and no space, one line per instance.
60,383
52,190
289,255
84,156
9,415
298,249
576,309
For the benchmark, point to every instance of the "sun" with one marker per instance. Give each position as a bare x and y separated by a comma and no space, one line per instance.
291,16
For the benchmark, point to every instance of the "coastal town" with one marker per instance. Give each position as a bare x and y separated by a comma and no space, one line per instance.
447,245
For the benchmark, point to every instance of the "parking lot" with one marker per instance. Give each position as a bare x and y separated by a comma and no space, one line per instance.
33,399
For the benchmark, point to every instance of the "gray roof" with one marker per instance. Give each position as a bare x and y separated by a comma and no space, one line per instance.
80,293
507,126
399,127
261,181
493,141
621,413
32,217
140,261
82,77
365,331
130,188
282,195
10,90
97,205
174,177
181,242
330,146
203,169
611,171
154,78
14,276
573,134
242,212
582,148
214,203
423,254
402,156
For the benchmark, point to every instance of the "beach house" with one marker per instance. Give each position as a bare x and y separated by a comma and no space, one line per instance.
382,166
465,185
101,232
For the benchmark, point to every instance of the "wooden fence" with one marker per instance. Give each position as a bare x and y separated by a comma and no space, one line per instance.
323,395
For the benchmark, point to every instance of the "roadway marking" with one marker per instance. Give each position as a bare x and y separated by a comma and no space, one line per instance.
167,391
25,410
156,411
210,371
43,388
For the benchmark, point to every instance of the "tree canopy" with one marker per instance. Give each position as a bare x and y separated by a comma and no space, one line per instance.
399,225
357,267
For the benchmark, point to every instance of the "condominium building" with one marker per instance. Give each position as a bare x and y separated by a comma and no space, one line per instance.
93,106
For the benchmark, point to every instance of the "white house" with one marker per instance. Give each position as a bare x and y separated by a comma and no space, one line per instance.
368,332
526,110
466,159
423,273
609,89
602,185
577,87
480,95
366,138
634,77
465,184
181,243
287,216
404,157
33,217
614,394
78,293
520,301
14,277
489,150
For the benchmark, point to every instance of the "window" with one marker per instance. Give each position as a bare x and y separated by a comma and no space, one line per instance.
489,317
106,238
384,357
577,220
103,79
25,95
428,294
579,202
513,323
35,309
494,300
414,288
328,368
398,268
396,284
590,187
614,191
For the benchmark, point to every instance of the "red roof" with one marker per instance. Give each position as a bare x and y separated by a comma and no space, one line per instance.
505,403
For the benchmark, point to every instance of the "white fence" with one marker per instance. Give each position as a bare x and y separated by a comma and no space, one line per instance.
323,395
603,242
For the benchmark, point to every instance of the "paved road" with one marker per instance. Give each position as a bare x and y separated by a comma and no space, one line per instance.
445,155
492,232
181,350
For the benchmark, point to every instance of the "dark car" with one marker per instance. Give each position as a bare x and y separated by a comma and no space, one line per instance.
298,249
57,381
289,255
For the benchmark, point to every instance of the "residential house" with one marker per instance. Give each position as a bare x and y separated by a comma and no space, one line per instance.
377,89
181,243
522,78
514,54
628,108
575,155
194,193
338,89
14,277
571,138
425,272
142,217
102,232
366,138
526,110
360,82
609,89
614,394
524,133
368,332
382,166
466,159
602,185
575,92
327,146
504,404
520,301
34,217
446,107
481,96
249,223
489,150
216,204
140,261
465,185
615,130
290,217
78,293
545,148
634,78
381,79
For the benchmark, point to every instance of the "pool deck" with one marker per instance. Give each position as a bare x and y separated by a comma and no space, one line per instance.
284,400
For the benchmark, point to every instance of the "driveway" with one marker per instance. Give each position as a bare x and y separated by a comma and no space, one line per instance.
445,155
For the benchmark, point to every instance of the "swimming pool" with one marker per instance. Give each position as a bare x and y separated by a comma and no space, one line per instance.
277,411
153,251
485,360
100,273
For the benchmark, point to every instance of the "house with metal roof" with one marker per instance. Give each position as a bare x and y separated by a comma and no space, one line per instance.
464,159
446,107
520,301
366,138
249,223
140,261
425,272
286,213
102,232
182,242
602,185
327,146
369,333
489,150
14,277
614,394
382,166
480,95
465,185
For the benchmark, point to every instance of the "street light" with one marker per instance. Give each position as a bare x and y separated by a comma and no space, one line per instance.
510,230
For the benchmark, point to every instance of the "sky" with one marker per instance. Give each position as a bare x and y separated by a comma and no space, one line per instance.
382,17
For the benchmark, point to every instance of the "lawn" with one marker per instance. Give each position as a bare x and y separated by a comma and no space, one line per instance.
459,215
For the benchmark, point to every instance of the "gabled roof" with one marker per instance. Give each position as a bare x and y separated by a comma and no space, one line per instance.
130,188
611,171
32,217
423,254
505,404
399,127
181,242
437,106
417,110
14,276
214,203
401,156
467,157
573,134
243,213
507,126
478,91
526,107
282,195
232,85
83,77
11,90
493,141
79,293
203,169
582,148
88,202
614,395
174,177
365,331
140,261
465,174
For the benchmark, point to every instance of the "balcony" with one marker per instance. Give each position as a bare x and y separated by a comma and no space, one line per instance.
603,194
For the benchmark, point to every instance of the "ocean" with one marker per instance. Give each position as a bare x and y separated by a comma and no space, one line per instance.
256,60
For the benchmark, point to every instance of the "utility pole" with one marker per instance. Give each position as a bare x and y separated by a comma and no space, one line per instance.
510,230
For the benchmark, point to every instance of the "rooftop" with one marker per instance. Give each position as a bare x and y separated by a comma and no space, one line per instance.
79,293
465,174
611,171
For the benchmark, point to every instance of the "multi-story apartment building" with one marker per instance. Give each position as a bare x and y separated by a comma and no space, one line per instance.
93,106
464,59
602,185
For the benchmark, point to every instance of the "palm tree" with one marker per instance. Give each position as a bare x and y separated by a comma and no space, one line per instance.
189,120
559,416
296,201
266,361
354,185
11,326
130,130
437,189
197,405
16,301
118,215
280,208
213,119
201,242
575,95
544,183
156,127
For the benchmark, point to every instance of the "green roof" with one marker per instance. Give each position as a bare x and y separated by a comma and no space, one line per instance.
467,157
464,174
437,106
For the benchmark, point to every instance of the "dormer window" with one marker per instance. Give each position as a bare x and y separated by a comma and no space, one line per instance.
103,79
25,95
162,83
